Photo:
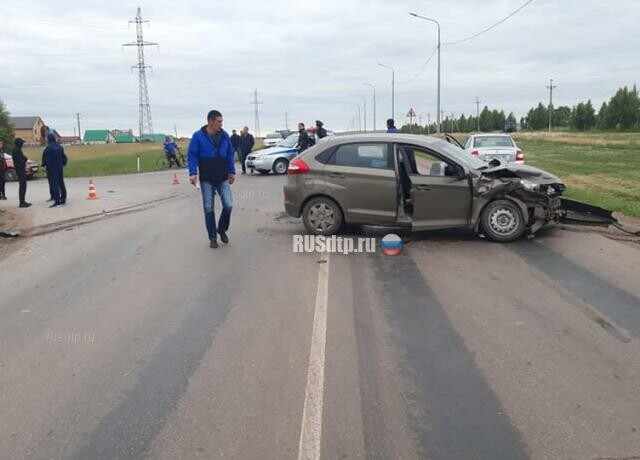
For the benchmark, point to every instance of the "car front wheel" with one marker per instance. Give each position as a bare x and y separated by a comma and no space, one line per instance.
280,166
502,221
322,216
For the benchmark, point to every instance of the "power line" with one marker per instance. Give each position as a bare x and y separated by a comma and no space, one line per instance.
424,66
491,27
144,107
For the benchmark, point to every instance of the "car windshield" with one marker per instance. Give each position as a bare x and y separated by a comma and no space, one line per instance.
492,141
459,155
290,141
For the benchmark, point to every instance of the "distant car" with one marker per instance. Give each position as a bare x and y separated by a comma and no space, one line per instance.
274,159
272,139
488,147
419,183
11,175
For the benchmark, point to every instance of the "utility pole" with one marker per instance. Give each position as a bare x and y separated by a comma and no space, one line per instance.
79,132
144,107
374,104
478,101
175,130
428,123
359,120
439,111
256,105
393,89
550,88
365,114
286,120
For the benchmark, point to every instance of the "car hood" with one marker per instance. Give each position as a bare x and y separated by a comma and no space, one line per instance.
531,173
273,151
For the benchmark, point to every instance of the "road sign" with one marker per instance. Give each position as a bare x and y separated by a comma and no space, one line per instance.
411,113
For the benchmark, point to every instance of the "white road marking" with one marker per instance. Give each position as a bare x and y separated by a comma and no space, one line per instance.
311,433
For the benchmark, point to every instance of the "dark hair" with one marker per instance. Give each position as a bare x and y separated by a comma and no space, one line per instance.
301,124
390,122
213,114
319,123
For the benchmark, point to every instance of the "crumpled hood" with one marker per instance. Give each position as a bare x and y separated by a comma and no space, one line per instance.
272,151
530,173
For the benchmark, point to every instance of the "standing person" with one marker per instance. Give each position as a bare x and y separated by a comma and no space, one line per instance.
20,163
170,149
245,146
321,132
391,126
211,157
303,138
54,159
3,171
235,142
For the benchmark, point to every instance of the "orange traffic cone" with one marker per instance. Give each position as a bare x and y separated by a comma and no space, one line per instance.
175,179
92,191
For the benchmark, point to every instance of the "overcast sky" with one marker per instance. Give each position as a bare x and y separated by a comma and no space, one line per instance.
310,59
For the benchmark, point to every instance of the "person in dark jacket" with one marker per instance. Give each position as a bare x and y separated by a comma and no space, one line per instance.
235,143
303,138
246,145
211,157
20,163
391,126
54,159
321,132
3,171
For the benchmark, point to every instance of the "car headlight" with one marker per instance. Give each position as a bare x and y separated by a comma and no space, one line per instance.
530,186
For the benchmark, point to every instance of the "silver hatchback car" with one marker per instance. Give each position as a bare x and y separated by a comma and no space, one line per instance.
417,182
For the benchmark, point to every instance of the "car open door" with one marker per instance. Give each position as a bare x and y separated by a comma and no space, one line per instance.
441,196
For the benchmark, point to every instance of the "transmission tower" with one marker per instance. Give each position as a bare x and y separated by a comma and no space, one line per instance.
145,124
256,105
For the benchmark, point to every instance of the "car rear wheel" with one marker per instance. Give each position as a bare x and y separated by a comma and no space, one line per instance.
280,166
502,221
10,175
322,216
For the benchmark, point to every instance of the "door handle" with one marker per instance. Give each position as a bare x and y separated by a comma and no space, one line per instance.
337,175
425,188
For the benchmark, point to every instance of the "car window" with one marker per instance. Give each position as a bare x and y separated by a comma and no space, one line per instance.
468,143
290,141
362,155
493,141
425,163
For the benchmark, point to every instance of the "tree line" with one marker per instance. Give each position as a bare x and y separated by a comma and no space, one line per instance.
621,112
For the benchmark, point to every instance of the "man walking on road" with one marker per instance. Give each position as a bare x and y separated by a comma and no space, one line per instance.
211,157
235,143
245,147
3,171
20,163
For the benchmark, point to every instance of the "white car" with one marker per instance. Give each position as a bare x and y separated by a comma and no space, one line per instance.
272,139
494,146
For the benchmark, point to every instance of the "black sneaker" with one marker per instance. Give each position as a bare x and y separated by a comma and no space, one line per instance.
224,237
3,197
24,205
213,244
54,205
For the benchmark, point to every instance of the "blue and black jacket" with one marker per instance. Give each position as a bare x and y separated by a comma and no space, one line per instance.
214,162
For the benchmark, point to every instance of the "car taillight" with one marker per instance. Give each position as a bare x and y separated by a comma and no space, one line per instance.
519,155
297,166
475,153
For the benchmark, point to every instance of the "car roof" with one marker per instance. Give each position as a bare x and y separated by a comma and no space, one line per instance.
381,137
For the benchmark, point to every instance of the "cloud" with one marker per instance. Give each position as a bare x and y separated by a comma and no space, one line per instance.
309,59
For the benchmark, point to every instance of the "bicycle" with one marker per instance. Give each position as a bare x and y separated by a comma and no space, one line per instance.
166,161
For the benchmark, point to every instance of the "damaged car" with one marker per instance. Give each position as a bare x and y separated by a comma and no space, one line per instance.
419,183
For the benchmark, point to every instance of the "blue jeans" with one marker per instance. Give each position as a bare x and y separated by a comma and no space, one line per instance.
208,195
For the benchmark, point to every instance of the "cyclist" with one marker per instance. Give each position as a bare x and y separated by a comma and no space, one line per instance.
170,148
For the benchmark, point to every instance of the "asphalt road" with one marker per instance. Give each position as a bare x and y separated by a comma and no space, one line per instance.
127,337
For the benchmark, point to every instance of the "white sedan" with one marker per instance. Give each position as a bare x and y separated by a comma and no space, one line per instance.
494,146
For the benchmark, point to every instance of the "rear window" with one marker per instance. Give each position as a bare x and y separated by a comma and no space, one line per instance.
493,141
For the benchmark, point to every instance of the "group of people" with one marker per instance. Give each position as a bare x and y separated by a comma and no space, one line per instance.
242,145
53,160
304,141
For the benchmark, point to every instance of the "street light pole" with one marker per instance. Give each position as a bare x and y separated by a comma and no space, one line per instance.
374,104
439,73
393,89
